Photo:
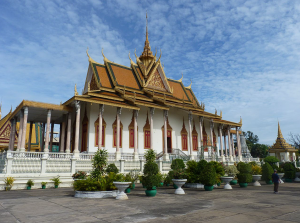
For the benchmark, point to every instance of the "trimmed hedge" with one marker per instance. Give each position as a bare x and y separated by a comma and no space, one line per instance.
245,175
267,172
208,175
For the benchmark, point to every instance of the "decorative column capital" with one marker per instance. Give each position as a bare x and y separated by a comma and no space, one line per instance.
166,114
119,110
201,119
101,109
25,110
136,113
77,105
49,113
152,111
190,117
228,128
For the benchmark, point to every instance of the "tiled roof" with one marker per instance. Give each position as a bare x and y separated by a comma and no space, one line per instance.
102,76
178,90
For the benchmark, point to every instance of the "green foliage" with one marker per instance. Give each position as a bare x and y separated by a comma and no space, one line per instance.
179,174
193,172
134,175
271,160
151,177
219,170
44,183
289,170
150,155
256,170
99,163
177,164
112,168
56,180
168,179
259,150
9,181
253,163
110,178
79,175
267,172
30,183
208,175
231,170
245,175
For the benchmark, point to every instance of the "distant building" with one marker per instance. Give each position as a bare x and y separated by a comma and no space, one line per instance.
282,150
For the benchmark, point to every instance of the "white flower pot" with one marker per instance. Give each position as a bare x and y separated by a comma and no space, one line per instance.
179,183
227,180
122,187
256,178
297,179
280,175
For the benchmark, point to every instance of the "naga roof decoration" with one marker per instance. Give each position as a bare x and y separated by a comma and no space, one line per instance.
144,83
280,144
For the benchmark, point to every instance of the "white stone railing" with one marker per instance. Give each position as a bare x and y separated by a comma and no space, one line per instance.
127,156
25,155
111,156
60,155
86,156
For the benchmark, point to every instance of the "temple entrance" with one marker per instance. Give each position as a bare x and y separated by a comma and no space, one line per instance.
169,145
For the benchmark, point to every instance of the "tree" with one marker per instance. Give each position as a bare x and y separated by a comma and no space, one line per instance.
295,140
259,150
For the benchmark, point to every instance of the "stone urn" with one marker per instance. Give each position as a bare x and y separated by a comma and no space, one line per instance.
179,183
122,186
297,179
227,180
280,175
256,178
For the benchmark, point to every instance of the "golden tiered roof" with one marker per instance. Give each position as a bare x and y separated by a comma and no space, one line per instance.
281,145
144,83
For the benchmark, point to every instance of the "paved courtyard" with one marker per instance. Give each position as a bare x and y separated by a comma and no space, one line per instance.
252,204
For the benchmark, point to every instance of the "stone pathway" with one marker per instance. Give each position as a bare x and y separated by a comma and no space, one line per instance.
251,204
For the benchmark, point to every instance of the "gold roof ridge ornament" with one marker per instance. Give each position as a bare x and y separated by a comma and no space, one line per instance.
87,53
221,113
75,90
190,86
104,57
180,80
131,61
241,120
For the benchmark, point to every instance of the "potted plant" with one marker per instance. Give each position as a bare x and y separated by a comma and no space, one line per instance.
289,172
44,185
232,171
128,178
9,182
219,171
134,177
245,176
151,178
112,168
29,184
208,177
177,175
167,180
79,175
267,172
256,174
56,181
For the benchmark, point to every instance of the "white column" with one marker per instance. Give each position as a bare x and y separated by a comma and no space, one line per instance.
22,149
101,110
166,155
51,136
151,127
232,145
211,136
30,136
200,132
221,142
118,153
68,143
238,142
135,154
190,135
47,131
229,144
63,132
76,143
225,144
12,135
20,130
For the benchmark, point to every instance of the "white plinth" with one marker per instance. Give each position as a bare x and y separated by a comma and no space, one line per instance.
179,183
227,180
256,178
122,186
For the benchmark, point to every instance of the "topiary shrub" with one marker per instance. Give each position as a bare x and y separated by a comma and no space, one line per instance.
112,168
208,175
99,164
267,172
193,172
151,177
245,175
219,170
289,170
256,170
271,160
177,164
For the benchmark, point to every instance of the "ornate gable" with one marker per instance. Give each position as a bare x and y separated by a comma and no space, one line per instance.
156,82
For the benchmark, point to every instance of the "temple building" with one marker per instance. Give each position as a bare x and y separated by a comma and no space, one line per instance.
282,150
127,110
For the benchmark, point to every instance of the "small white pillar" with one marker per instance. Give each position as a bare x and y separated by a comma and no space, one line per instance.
122,165
101,110
47,131
20,130
63,130
68,143
190,135
24,128
76,143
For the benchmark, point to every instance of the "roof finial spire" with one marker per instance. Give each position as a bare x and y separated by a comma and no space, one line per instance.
146,26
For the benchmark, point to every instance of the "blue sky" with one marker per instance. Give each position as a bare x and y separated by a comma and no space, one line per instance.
243,56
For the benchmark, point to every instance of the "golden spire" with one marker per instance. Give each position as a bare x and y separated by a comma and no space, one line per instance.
147,55
0,110
279,132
